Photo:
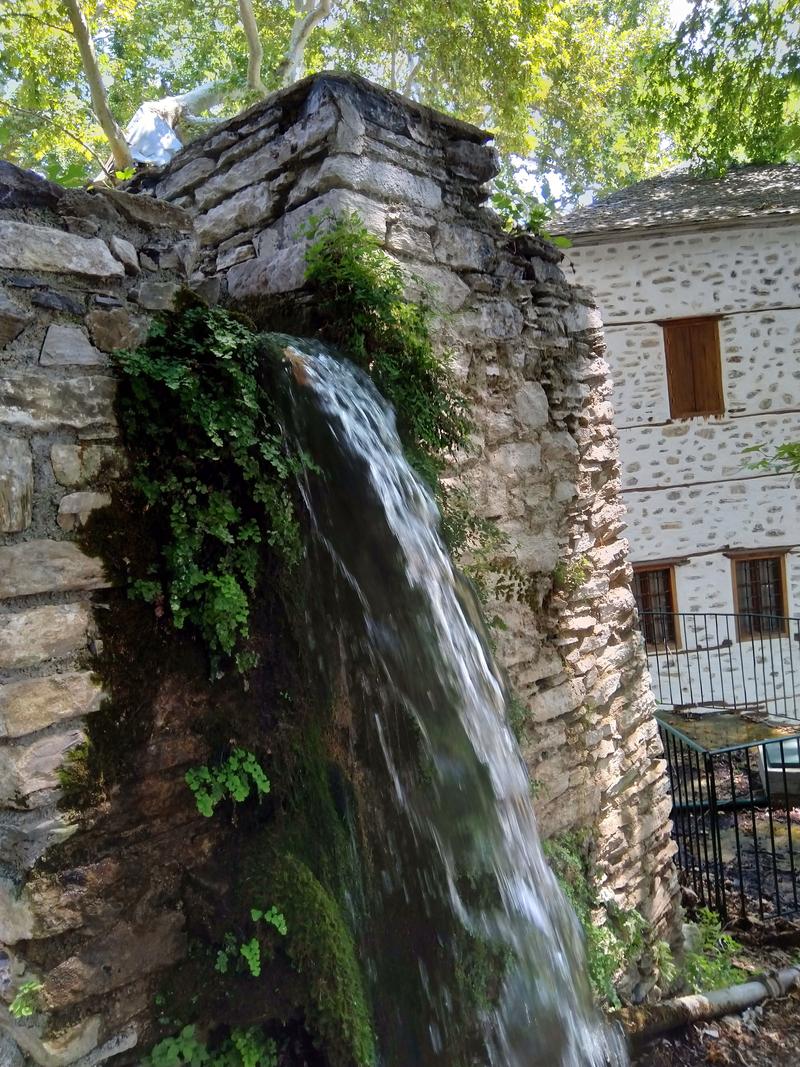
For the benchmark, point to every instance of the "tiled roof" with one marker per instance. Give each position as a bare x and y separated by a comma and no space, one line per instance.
680,197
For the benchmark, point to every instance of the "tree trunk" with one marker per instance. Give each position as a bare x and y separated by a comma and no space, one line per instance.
255,50
310,14
119,146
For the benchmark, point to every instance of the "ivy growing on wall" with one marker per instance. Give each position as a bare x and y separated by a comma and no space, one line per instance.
213,472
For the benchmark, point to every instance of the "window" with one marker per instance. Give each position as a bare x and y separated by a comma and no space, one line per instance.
654,590
760,594
694,370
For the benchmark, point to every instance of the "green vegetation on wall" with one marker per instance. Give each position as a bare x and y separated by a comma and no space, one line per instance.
610,947
213,472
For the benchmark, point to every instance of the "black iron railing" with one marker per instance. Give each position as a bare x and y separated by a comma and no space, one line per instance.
736,825
725,661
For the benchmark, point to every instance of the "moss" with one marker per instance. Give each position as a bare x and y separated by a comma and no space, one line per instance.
322,950
611,946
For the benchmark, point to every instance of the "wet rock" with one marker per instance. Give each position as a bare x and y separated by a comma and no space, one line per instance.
38,402
13,319
63,1049
125,252
36,703
115,329
47,566
27,247
74,509
16,484
68,346
50,632
77,465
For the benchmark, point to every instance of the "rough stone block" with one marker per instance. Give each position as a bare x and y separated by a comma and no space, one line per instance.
125,252
533,408
384,181
38,402
16,484
251,207
442,287
13,319
49,632
48,566
27,247
183,179
31,764
65,346
282,273
157,296
74,509
115,329
77,465
66,1048
147,211
464,248
36,703
268,160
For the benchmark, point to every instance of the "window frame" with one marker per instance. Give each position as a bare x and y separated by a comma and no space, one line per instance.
670,358
669,567
756,554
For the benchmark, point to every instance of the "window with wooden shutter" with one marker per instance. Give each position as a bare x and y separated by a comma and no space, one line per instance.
694,370
654,591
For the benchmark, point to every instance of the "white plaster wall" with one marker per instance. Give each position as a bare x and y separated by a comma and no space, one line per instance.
686,485
724,270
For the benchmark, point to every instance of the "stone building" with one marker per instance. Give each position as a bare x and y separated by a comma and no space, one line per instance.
93,903
698,283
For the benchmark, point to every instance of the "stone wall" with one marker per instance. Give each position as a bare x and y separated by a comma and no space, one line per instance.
530,348
91,895
87,897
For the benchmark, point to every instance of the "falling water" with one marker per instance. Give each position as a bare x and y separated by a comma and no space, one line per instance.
472,954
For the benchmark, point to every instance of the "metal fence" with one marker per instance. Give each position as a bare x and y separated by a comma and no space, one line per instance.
736,828
725,661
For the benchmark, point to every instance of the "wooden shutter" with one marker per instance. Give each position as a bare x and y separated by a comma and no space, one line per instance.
694,371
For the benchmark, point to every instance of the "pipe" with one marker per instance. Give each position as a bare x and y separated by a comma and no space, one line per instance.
643,1022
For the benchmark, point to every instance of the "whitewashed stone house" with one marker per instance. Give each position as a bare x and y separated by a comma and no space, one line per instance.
698,282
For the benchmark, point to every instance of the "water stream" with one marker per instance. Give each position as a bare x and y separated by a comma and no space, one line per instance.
473,956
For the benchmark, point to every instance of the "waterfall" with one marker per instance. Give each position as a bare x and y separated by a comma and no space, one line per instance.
472,954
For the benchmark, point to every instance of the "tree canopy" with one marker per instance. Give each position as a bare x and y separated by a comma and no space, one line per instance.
596,92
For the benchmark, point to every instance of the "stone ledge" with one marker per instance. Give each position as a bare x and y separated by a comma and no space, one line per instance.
48,567
36,703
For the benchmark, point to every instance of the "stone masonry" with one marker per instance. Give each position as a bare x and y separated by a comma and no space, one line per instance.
80,274
530,348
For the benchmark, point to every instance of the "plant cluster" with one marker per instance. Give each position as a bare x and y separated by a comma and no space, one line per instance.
243,1048
569,576
362,308
250,950
213,472
26,1000
234,779
610,947
710,965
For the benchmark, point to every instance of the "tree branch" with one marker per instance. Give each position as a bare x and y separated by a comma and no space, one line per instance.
310,13
119,146
38,115
408,84
255,50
